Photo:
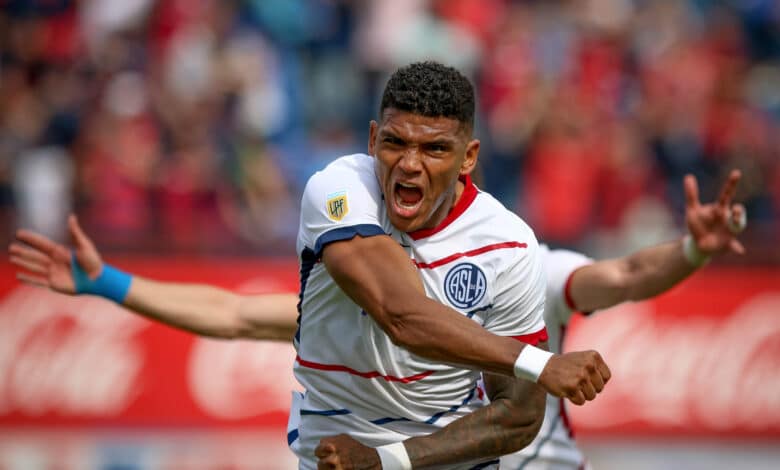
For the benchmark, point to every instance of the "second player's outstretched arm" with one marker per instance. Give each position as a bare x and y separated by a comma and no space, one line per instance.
201,309
212,311
713,229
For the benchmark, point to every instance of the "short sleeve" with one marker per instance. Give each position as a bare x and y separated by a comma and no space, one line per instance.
560,265
338,203
518,306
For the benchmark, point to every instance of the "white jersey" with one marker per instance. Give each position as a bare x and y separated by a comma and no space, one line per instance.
482,261
554,447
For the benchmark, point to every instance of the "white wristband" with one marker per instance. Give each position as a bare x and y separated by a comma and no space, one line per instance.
692,254
736,224
530,363
394,457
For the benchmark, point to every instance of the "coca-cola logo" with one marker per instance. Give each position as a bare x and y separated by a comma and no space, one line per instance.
712,373
69,355
241,379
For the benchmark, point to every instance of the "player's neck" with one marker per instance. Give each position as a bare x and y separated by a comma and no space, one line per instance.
446,206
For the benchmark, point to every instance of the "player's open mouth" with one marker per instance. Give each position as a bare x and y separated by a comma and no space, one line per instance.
408,199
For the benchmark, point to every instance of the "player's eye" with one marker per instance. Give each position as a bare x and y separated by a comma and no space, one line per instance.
437,148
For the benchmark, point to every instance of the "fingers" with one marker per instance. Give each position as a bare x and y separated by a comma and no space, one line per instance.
597,380
736,246
37,241
330,463
81,238
588,389
326,453
31,266
596,375
602,368
324,449
577,398
729,188
691,191
27,253
39,281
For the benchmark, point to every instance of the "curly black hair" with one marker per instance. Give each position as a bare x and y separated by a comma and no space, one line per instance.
430,89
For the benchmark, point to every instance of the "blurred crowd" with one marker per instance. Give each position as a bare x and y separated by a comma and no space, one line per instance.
191,126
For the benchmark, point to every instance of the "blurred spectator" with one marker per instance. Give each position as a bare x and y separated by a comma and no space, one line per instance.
193,125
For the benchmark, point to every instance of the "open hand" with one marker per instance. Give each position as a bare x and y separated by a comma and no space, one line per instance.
714,226
46,263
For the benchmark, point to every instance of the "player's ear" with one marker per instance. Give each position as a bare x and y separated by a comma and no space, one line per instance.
470,159
372,131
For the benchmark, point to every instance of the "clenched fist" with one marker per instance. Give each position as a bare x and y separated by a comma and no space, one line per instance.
342,452
578,376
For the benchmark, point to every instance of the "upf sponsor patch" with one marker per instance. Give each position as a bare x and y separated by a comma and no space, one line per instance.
337,205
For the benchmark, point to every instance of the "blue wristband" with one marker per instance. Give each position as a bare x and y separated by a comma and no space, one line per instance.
111,283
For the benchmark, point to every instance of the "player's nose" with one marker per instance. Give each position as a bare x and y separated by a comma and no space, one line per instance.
411,160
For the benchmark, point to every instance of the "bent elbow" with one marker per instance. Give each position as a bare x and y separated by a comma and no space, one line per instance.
393,317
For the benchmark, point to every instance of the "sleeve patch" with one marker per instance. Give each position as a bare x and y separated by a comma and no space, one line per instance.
337,205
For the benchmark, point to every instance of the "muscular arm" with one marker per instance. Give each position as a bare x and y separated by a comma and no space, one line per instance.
215,312
378,275
640,275
509,423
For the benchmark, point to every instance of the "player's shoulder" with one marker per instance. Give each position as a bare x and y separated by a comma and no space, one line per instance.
348,173
498,221
562,256
560,263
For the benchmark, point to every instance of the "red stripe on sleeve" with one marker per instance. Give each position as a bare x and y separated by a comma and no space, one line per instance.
567,292
533,338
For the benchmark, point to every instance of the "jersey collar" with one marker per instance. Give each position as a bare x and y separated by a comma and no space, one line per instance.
466,198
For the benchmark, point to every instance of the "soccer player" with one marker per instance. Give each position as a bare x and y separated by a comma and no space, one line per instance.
390,352
577,283
574,282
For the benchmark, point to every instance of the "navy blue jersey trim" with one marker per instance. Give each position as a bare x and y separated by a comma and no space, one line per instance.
292,436
480,309
433,418
485,464
453,408
381,421
346,233
308,260
546,438
325,412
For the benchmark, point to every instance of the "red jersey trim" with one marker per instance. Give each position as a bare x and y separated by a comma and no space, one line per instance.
366,375
567,291
561,402
466,198
474,252
533,338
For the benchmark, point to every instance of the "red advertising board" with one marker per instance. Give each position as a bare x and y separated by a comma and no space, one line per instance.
702,359
84,361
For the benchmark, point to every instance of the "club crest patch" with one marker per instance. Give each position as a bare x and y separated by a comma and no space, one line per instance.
337,205
465,285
